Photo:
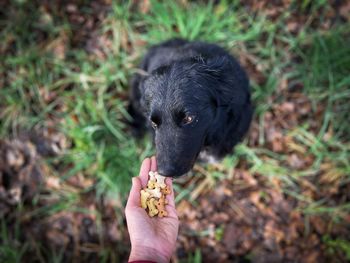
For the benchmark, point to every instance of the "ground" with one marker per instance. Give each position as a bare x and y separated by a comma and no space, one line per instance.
67,155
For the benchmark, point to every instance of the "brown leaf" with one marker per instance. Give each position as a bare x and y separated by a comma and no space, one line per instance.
311,257
292,26
52,182
295,162
14,158
57,238
144,6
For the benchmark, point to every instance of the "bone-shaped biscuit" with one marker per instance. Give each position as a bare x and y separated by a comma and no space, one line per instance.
154,192
160,204
166,190
152,176
160,180
151,207
151,184
144,196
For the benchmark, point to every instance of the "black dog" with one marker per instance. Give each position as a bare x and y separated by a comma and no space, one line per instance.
196,97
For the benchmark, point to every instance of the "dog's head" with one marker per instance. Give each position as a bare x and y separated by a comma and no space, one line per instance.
191,104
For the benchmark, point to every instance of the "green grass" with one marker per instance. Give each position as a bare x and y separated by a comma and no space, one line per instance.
337,246
11,250
196,257
219,24
89,91
326,62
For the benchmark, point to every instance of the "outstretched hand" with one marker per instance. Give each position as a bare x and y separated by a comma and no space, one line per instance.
152,238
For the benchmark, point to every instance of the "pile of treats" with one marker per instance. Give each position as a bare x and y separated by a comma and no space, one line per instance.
153,197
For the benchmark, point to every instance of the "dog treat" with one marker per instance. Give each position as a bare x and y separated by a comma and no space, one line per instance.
151,184
166,190
144,196
153,198
152,176
154,192
161,206
160,180
152,210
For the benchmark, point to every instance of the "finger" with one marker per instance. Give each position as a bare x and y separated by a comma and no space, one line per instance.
153,164
144,170
170,207
134,195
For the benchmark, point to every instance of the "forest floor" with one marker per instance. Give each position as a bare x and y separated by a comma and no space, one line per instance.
67,155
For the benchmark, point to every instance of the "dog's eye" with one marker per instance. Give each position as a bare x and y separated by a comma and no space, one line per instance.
187,119
155,121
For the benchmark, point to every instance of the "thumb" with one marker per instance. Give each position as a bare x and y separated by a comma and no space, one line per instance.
134,195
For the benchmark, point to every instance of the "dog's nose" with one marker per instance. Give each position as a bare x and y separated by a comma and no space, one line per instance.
169,171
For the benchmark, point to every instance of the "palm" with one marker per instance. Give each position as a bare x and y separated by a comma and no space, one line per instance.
154,230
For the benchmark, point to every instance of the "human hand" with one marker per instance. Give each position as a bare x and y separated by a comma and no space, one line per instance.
152,238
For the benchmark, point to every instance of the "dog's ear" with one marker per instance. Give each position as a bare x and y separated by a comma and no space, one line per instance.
227,78
229,87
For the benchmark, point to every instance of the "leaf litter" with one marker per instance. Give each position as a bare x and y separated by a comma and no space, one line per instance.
244,217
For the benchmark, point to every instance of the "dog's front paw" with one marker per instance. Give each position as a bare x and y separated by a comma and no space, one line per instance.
207,157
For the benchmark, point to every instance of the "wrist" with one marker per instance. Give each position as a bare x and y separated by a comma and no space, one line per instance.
148,253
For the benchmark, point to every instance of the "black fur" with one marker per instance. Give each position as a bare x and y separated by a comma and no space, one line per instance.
196,79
